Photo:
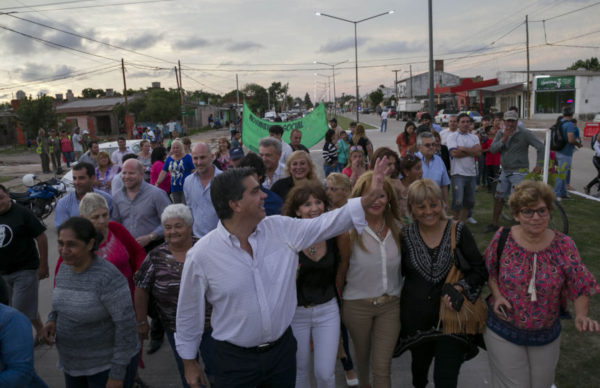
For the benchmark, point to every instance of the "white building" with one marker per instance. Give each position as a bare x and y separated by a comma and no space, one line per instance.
552,90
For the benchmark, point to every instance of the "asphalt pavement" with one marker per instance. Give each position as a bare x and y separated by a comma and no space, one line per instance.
160,368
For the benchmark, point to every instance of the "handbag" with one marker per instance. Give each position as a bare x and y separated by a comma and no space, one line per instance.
472,315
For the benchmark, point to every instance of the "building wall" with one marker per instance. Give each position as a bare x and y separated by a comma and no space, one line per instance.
587,97
421,83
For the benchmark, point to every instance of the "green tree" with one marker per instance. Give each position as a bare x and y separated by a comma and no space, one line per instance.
277,93
256,98
591,64
307,102
34,114
376,97
92,93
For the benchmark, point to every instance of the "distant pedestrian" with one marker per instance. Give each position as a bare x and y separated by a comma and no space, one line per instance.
77,141
384,117
43,150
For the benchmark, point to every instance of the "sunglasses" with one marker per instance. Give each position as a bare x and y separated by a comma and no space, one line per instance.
356,148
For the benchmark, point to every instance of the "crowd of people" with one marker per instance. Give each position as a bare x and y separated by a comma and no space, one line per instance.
248,262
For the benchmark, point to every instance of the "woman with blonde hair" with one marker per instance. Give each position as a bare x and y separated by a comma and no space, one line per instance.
427,260
105,172
360,139
371,295
299,167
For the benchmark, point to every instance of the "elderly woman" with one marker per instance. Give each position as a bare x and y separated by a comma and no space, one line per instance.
533,271
160,275
114,243
299,167
92,319
426,262
105,171
180,165
317,315
371,296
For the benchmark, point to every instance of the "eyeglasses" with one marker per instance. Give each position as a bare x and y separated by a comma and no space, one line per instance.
528,213
356,148
428,145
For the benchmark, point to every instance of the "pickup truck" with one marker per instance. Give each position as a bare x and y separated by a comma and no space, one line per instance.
407,109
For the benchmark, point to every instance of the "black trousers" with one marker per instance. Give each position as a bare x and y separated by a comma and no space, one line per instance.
449,354
236,367
596,161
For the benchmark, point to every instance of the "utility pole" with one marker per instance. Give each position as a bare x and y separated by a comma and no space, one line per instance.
125,95
396,85
528,93
181,95
411,83
430,59
237,90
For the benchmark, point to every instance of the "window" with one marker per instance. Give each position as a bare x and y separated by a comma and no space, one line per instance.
553,101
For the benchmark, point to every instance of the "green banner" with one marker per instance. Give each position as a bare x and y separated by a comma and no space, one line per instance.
313,127
554,83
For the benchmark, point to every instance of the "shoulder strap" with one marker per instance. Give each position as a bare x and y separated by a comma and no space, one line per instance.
453,238
502,241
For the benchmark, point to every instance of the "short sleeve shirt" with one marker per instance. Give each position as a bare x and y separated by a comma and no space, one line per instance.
18,228
179,170
465,165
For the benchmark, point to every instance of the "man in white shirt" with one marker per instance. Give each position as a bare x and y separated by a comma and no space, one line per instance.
269,150
246,268
464,147
452,127
276,132
77,141
117,155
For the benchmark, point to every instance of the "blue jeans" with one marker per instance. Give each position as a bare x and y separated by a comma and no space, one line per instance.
328,169
463,192
99,379
564,162
383,127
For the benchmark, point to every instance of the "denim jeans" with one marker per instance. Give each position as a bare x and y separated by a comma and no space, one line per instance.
564,162
99,379
383,127
463,191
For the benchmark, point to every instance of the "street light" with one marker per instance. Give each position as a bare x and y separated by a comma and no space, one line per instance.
333,74
355,22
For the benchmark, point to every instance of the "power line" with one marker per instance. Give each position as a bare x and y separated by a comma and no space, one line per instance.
90,6
61,77
87,38
56,44
46,4
567,13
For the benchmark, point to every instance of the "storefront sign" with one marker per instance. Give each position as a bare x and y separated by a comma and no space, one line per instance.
555,83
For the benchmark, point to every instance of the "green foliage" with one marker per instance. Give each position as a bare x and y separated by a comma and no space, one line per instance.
376,97
277,93
92,93
589,64
34,114
554,173
256,98
157,105
307,102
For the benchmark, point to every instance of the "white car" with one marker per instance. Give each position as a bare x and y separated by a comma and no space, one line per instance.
444,115
109,147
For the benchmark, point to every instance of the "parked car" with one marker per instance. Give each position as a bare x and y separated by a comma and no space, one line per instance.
367,111
443,115
109,147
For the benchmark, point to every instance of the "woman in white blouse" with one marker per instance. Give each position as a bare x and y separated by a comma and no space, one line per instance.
371,303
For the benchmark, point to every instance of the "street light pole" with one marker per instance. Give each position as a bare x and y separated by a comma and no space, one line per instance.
355,22
333,65
328,84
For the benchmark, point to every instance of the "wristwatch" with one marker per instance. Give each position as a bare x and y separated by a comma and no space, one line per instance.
152,236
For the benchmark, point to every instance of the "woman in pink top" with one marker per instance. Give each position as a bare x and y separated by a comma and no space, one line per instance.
356,164
159,154
537,270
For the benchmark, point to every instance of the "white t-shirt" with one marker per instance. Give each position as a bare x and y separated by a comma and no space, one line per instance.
465,165
76,138
384,114
444,135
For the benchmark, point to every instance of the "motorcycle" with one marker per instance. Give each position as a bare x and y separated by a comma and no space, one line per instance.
41,197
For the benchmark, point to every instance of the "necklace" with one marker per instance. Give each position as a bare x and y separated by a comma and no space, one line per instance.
312,250
379,230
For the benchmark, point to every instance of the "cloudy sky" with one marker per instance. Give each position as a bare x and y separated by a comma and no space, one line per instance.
277,40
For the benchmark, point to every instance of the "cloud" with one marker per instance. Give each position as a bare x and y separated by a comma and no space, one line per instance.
190,43
141,42
244,46
340,45
397,47
34,71
143,74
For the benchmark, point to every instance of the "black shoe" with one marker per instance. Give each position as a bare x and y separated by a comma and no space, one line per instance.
586,190
154,346
491,228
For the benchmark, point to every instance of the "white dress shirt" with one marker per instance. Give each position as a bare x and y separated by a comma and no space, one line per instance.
374,271
253,297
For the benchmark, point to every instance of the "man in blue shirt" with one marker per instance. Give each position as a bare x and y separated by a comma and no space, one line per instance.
196,189
433,165
83,180
564,157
